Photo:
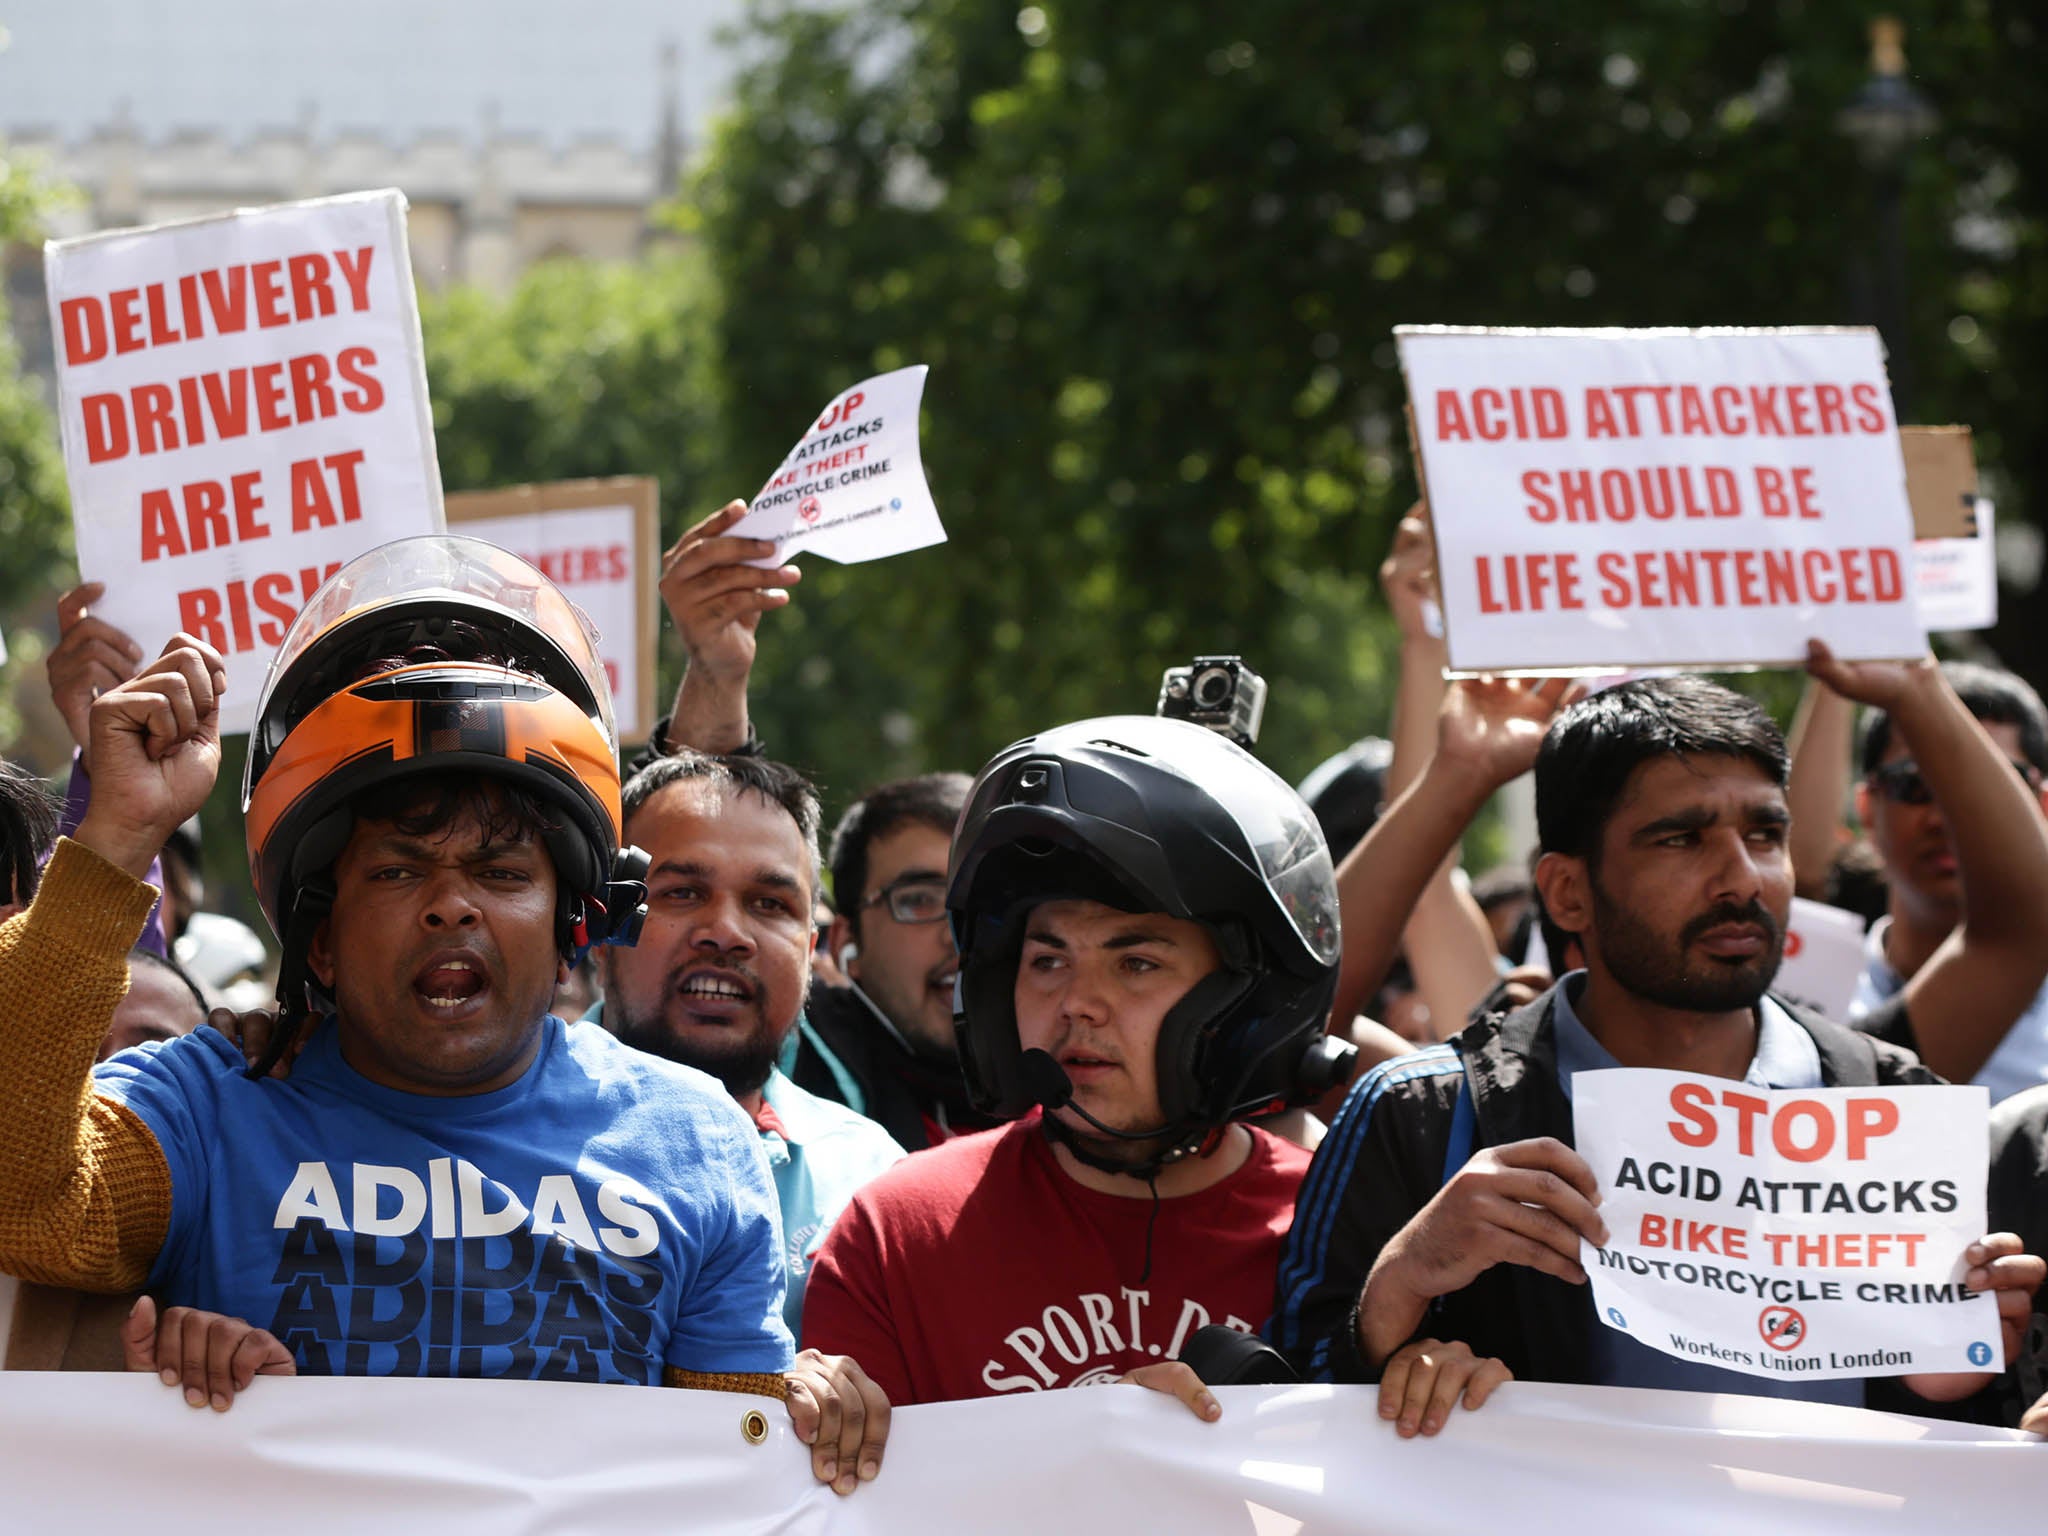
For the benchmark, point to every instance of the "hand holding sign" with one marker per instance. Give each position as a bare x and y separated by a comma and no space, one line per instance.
155,753
1528,1202
1408,576
91,657
716,599
1880,684
1491,727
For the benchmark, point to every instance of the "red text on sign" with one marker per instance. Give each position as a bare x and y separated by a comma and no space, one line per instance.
1802,1130
218,302
239,615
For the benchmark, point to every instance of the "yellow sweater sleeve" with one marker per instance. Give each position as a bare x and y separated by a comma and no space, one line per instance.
85,1193
756,1383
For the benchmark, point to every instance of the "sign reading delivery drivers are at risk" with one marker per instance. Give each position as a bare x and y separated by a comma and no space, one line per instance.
1789,1233
1662,498
243,406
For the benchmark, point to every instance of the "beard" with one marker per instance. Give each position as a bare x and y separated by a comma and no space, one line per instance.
741,1059
1655,969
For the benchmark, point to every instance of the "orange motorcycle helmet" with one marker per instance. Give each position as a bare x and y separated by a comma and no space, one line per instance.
430,655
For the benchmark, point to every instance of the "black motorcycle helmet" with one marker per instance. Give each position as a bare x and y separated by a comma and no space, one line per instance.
1347,792
1152,815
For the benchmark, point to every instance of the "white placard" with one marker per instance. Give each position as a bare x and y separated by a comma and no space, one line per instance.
589,553
1809,1234
1675,498
1823,958
853,487
1958,578
243,404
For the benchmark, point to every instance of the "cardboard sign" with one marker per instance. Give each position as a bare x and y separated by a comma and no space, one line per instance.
1661,498
1816,1233
599,541
243,404
1941,479
1823,958
1958,578
852,488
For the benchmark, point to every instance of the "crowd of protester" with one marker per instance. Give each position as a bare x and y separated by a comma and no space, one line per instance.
1118,1061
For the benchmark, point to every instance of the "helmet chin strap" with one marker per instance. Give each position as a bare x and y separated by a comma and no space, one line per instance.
1047,1082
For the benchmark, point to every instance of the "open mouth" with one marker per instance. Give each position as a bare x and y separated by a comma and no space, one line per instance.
448,983
713,994
941,980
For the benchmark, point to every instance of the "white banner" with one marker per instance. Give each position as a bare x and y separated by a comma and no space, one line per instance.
1675,498
338,1457
1814,1234
243,406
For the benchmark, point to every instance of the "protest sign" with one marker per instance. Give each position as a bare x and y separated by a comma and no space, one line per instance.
347,1455
1958,577
599,541
243,406
1809,1233
852,488
1823,958
1941,479
1661,498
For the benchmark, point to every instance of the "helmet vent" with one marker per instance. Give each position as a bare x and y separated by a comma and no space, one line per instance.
1119,746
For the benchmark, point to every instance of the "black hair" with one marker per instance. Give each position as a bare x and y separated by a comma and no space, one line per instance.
1991,694
166,962
742,773
930,800
28,826
1856,881
1590,752
1501,885
432,804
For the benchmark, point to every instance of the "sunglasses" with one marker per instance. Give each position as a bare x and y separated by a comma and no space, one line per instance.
1900,782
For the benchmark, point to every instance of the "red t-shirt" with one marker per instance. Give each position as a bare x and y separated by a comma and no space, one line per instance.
980,1267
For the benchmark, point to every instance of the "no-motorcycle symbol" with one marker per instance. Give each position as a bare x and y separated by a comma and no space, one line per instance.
1782,1328
808,509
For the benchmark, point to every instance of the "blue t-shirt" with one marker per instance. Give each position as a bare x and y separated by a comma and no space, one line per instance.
603,1216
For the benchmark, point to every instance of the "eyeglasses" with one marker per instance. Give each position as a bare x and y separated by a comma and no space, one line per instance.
1900,782
912,899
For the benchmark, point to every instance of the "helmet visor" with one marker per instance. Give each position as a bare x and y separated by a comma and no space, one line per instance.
466,573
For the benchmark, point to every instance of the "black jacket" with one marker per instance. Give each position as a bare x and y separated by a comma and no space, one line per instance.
1405,1130
2019,1203
875,1075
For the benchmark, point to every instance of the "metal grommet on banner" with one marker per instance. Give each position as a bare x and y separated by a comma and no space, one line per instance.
754,1426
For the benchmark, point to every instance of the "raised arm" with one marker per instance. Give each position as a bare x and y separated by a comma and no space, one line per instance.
1989,969
716,603
85,1193
1449,946
1487,734
1821,741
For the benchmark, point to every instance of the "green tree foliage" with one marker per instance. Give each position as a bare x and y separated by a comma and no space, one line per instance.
35,512
1153,255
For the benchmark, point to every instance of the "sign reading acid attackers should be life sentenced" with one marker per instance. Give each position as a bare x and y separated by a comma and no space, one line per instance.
1662,498
1811,1233
243,406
